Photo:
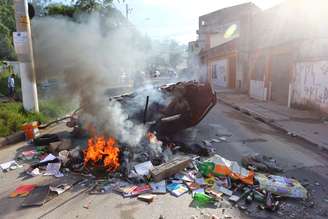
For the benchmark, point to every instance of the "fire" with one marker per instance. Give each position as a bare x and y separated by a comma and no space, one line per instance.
102,151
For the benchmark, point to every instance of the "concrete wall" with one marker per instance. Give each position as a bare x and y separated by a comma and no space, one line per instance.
310,87
258,90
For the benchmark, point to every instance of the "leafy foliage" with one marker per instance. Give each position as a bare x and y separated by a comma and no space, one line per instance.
60,9
12,116
7,26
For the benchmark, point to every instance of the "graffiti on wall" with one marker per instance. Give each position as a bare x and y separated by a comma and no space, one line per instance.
311,83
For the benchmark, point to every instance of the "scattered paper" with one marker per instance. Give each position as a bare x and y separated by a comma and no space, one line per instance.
34,172
60,188
53,169
143,168
10,165
49,157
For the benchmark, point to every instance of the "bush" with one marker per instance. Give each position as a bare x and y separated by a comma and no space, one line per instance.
13,116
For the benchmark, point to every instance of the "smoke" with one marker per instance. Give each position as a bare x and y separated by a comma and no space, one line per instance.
86,59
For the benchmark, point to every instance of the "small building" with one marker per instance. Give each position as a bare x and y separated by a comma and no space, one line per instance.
288,59
223,39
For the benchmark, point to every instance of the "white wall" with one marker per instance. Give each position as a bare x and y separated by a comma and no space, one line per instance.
257,90
311,84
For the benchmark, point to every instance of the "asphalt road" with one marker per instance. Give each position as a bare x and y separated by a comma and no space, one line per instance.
298,159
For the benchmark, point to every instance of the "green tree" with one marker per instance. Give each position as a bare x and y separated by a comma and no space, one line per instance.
7,26
89,6
60,9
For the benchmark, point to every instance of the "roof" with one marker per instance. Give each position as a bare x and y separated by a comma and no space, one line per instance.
236,9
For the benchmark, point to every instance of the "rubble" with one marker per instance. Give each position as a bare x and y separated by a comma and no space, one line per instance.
261,163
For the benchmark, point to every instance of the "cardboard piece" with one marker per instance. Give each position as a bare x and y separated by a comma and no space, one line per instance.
170,168
37,197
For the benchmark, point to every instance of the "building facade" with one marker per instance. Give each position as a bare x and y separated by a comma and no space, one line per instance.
289,54
223,38
279,54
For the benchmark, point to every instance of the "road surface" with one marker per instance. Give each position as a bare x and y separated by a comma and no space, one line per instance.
298,159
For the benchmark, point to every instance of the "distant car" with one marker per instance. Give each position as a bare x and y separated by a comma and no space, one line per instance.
157,74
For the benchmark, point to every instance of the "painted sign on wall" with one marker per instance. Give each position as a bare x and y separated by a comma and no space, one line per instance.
311,84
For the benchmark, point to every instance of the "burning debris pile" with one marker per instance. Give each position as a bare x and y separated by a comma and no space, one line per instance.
160,166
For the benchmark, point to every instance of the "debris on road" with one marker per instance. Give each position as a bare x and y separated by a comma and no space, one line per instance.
60,188
281,186
157,167
159,187
10,165
147,198
53,169
177,189
37,197
260,163
22,191
169,169
220,166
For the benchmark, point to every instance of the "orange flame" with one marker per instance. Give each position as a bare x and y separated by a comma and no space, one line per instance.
99,150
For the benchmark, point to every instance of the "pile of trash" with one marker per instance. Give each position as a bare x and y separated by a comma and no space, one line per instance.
210,181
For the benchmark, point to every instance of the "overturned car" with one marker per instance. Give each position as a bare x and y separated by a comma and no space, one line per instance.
165,109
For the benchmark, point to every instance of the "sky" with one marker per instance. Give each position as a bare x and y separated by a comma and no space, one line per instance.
177,19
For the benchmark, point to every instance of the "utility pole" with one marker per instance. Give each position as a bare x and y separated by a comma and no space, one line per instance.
127,11
24,51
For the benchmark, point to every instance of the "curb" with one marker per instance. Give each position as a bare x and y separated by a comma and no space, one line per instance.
12,139
271,122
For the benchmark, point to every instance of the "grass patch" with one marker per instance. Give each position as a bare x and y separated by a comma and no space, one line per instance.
13,115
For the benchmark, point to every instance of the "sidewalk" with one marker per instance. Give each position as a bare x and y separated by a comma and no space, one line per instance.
305,124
